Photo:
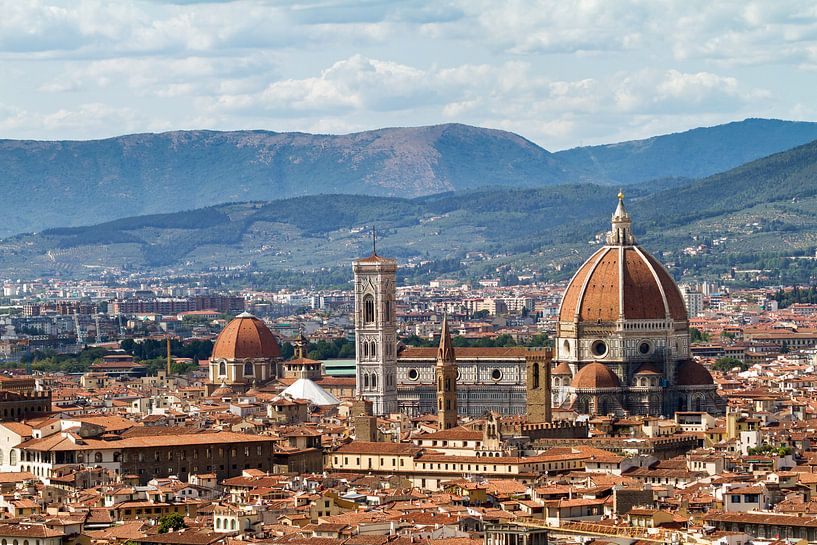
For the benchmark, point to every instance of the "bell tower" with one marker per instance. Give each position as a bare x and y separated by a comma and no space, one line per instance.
445,374
376,332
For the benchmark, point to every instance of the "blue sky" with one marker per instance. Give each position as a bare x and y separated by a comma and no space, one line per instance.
560,73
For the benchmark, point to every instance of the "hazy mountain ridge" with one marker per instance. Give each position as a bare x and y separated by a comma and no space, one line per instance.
755,216
691,154
74,183
154,173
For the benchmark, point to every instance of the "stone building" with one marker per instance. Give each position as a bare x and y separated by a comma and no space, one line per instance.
486,378
623,336
246,353
446,378
225,454
376,332
21,398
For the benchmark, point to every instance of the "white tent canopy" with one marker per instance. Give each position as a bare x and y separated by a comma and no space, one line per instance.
303,388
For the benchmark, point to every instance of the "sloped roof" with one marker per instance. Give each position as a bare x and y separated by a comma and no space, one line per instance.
303,388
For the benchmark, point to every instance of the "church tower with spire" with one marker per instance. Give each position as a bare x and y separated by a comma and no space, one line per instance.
376,332
445,374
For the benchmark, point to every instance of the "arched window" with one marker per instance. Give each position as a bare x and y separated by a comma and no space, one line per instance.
368,309
440,403
116,456
373,350
365,349
387,312
535,375
374,381
248,371
441,383
365,381
222,369
98,457
232,524
218,524
447,384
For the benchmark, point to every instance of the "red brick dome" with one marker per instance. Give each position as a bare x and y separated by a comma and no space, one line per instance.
562,369
648,369
595,375
622,281
692,373
246,337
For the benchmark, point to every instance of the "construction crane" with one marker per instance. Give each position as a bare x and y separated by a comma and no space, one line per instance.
169,359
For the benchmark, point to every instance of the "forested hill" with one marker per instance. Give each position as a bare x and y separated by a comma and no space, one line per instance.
762,215
692,154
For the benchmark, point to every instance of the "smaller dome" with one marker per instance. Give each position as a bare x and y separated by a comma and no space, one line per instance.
594,376
223,391
648,369
691,373
563,369
246,337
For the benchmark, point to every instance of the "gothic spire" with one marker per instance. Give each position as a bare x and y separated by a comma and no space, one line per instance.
621,232
445,353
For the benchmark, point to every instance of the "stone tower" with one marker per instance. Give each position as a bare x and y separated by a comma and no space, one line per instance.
376,332
445,374
538,386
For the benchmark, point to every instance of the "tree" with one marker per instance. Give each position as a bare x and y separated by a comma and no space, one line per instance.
727,364
171,522
698,336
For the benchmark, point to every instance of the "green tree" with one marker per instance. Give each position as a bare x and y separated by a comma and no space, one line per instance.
729,363
698,336
171,522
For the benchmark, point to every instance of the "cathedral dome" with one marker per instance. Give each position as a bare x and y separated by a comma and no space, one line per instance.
222,391
246,337
648,369
621,280
594,376
692,373
563,369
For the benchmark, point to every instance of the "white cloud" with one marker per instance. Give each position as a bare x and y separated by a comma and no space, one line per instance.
558,72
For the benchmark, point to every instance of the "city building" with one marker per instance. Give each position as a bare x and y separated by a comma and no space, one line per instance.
623,332
245,353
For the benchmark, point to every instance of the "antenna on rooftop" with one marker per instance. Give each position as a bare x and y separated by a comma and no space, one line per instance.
374,240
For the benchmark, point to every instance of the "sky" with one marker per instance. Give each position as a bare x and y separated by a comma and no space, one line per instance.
560,73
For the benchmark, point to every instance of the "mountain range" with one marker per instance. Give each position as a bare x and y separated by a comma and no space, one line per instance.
74,183
760,215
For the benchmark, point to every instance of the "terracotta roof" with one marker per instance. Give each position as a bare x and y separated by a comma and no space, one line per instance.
364,447
595,375
691,373
374,258
246,337
648,369
594,293
562,369
60,442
